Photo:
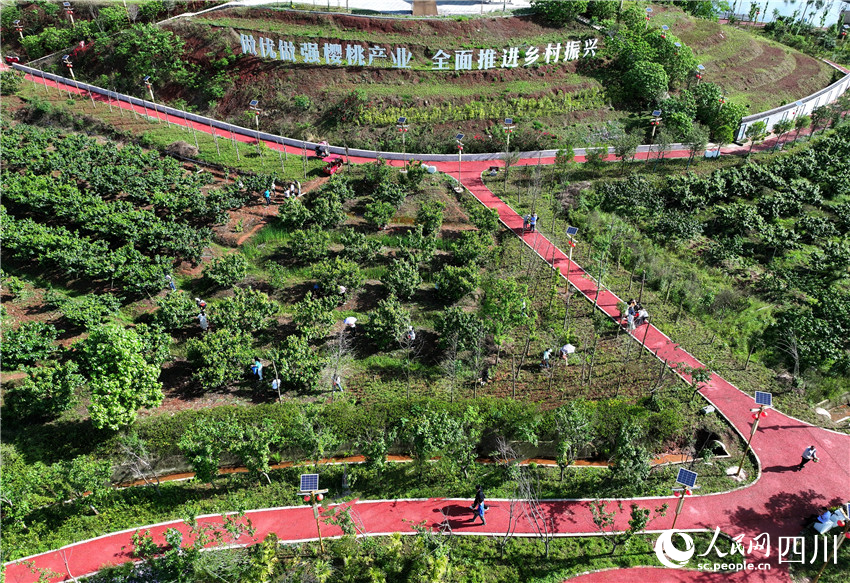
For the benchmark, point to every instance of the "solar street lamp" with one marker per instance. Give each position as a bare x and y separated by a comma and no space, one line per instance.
571,232
310,491
678,46
664,29
722,101
763,400
66,59
698,73
655,121
846,28
648,16
19,28
458,139
70,12
402,126
688,480
255,107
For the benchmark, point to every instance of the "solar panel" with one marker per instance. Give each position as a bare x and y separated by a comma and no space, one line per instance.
649,9
763,398
687,478
509,121
656,113
677,45
572,230
665,27
309,482
700,67
459,137
254,103
402,120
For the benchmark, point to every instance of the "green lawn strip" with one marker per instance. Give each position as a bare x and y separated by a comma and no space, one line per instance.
58,525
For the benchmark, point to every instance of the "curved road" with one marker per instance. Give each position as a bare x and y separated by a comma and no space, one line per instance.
775,504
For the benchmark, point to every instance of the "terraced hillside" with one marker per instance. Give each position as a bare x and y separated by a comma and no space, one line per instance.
759,72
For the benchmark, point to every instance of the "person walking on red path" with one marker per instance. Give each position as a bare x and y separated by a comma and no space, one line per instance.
479,498
809,454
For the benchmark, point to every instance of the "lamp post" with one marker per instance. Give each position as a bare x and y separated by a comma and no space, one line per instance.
648,16
722,101
19,28
678,46
654,122
458,139
763,400
402,126
571,232
149,85
698,73
67,60
509,129
664,29
255,107
70,12
846,27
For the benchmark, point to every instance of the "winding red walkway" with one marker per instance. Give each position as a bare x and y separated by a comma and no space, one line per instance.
774,504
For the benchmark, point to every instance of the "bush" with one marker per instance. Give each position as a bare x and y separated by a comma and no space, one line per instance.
28,343
646,81
228,270
387,323
308,246
390,193
430,216
176,310
469,247
219,357
403,279
485,219
414,176
453,283
558,12
359,247
454,320
314,316
248,309
46,391
10,82
332,273
293,214
379,213
88,310
299,365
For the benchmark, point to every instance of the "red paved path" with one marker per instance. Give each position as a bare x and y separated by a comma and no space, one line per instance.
775,503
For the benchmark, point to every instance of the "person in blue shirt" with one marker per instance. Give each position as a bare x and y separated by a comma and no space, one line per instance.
268,196
257,368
